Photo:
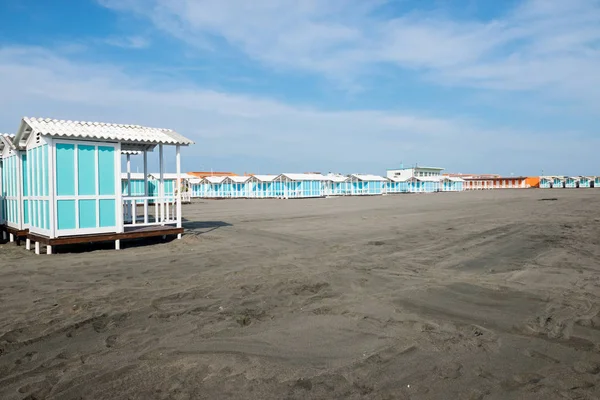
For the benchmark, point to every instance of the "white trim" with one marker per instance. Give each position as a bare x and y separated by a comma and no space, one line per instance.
51,186
118,191
178,188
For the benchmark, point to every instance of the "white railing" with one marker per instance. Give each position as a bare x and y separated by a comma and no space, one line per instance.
186,197
148,211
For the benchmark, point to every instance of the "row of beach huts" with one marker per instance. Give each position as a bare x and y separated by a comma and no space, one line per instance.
67,182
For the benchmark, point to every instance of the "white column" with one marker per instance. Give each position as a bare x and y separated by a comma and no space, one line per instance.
129,175
37,247
180,193
161,188
146,194
27,244
118,244
48,249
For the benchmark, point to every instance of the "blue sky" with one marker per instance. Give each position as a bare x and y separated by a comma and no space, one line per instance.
275,86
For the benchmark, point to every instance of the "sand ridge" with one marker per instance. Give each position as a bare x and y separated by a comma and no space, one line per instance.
482,295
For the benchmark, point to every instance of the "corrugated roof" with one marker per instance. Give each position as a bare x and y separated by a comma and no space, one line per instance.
367,177
101,131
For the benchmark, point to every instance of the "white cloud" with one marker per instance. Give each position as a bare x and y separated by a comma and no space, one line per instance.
250,133
550,46
127,42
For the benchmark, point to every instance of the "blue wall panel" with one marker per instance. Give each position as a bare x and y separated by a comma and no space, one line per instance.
86,170
65,169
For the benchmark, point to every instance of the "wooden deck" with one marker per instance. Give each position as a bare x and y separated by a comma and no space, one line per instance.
18,234
130,233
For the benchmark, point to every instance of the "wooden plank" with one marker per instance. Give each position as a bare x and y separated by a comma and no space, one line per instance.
106,237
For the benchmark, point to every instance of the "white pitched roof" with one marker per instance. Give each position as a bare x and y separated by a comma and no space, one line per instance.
336,178
133,134
304,177
367,177
215,179
6,139
399,179
265,178
239,179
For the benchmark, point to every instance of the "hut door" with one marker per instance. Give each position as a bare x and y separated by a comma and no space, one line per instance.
86,188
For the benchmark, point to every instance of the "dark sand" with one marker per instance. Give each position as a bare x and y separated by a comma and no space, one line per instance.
488,295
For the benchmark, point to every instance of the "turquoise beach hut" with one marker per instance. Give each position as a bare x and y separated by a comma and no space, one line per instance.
546,182
262,186
586,182
365,184
74,172
294,186
337,185
14,190
572,182
558,182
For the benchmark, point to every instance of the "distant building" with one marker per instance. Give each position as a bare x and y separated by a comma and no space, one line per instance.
204,174
414,172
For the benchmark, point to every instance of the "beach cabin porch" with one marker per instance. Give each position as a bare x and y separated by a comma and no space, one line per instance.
14,191
394,185
366,185
75,176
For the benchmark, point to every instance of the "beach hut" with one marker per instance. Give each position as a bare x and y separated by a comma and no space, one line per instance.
198,187
451,184
262,186
293,186
365,184
74,175
215,187
586,182
546,182
392,185
430,184
337,185
558,182
237,186
572,182
14,190
597,182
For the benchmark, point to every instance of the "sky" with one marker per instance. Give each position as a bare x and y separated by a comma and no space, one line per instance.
350,86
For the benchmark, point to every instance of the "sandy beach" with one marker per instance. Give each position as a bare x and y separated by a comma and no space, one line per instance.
475,295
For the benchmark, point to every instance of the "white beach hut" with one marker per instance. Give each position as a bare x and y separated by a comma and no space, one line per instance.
74,172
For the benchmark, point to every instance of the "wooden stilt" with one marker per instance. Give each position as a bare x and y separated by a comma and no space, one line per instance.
37,247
